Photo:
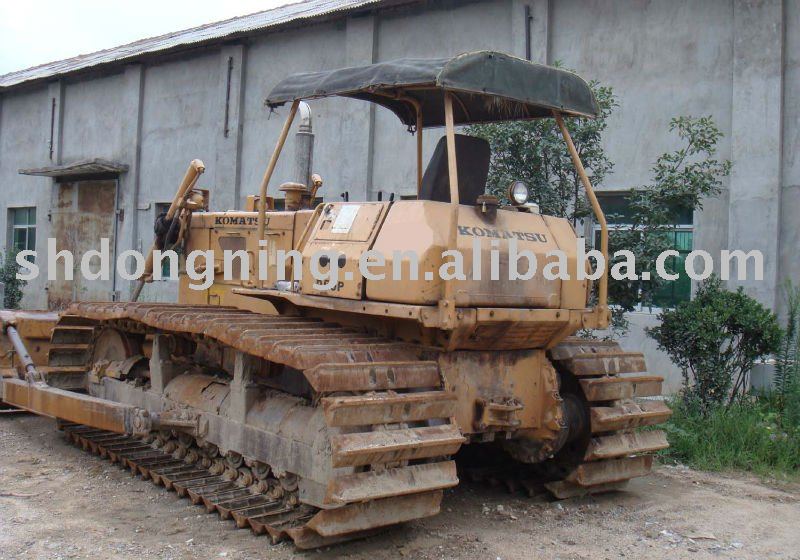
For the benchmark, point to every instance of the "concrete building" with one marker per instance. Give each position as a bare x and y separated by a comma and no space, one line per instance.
117,128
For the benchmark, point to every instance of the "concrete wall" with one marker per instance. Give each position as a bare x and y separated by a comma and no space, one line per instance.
736,60
91,119
656,75
790,180
24,142
179,122
418,32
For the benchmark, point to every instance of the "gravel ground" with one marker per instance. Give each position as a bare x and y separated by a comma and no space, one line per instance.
57,501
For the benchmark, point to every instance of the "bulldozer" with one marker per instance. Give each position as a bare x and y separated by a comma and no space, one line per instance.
324,413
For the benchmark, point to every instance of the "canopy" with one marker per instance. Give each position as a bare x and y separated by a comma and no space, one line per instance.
488,87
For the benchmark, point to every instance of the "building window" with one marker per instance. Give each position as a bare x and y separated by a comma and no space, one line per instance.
162,208
23,229
619,214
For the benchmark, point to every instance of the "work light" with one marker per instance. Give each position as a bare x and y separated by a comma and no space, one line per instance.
518,193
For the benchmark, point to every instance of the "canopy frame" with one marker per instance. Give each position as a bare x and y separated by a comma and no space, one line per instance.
451,98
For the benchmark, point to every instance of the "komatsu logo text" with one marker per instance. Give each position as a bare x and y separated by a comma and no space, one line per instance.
235,221
477,231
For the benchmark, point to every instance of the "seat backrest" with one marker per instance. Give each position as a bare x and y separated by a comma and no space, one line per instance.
472,157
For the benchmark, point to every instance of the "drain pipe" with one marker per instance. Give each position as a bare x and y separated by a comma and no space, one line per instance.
117,215
304,147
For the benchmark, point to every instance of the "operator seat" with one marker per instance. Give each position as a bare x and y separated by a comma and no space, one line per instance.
472,157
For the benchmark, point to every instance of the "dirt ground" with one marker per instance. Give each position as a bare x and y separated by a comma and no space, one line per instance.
57,501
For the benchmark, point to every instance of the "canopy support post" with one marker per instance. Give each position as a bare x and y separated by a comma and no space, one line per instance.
419,150
602,292
447,305
450,131
262,200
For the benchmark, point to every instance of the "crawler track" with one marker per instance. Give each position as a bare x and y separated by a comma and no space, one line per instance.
610,385
384,407
380,407
263,512
607,389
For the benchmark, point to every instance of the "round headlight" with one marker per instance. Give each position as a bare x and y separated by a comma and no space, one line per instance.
518,193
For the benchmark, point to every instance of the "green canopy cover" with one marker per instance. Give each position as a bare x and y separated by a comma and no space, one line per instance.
487,87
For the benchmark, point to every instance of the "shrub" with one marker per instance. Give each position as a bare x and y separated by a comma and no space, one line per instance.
745,436
8,276
715,339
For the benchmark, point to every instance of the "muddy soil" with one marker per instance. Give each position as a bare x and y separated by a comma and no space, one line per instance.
57,501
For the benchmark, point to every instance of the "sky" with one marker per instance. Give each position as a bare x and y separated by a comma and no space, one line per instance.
34,32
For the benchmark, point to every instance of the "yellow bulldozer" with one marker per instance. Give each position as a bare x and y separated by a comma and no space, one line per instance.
324,411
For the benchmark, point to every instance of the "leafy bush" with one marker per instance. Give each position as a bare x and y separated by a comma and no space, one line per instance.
8,276
745,436
534,152
715,339
681,180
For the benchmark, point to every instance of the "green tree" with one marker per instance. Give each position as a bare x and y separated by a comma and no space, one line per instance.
8,276
715,339
534,152
682,179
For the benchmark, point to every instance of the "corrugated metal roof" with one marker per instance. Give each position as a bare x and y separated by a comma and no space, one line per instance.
311,9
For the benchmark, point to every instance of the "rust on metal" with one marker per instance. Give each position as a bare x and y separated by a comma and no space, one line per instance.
366,448
564,490
391,482
628,415
615,470
375,513
388,408
618,388
75,407
624,444
617,454
372,376
35,329
611,363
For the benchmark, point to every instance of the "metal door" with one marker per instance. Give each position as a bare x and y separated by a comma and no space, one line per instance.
82,213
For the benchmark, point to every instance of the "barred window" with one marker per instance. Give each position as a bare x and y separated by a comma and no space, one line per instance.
23,229
617,209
